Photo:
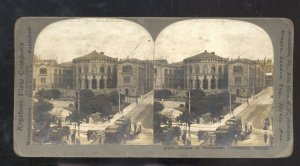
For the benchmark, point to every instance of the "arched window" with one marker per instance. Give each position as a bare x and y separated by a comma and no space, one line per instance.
94,83
86,69
197,84
220,70
205,84
79,69
102,69
190,69
213,69
213,83
197,69
108,70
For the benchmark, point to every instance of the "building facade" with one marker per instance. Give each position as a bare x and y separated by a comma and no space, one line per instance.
133,77
245,77
47,74
95,71
205,71
269,72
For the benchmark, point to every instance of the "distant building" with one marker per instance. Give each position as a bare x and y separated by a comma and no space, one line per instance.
205,71
269,72
168,76
245,77
47,74
135,77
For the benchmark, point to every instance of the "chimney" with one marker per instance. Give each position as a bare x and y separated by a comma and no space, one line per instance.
102,53
205,51
213,53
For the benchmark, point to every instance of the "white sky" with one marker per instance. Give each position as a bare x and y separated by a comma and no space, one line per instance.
227,38
68,39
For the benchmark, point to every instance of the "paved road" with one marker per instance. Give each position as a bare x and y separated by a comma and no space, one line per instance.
143,113
255,114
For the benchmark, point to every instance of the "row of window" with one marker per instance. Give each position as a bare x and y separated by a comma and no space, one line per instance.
43,71
205,69
94,69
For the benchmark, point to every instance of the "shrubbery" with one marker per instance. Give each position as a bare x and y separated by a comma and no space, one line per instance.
162,94
103,104
48,93
213,104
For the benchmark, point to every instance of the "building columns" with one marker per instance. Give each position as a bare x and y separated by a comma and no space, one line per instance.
209,83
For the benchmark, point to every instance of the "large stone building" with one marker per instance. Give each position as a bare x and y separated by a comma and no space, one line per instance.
205,71
133,77
245,77
95,71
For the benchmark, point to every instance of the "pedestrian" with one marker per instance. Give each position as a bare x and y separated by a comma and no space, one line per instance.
100,139
210,140
88,134
136,100
183,137
125,137
134,128
235,139
271,140
73,137
265,138
250,127
246,127
77,141
199,136
247,101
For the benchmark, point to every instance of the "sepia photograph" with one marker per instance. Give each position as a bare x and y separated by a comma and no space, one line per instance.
153,87
94,85
217,88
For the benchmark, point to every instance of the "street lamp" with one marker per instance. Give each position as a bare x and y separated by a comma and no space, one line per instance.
189,114
78,117
120,103
230,101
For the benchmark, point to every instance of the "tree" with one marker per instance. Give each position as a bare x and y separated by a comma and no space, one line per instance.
162,94
214,104
90,104
114,97
157,120
41,116
157,106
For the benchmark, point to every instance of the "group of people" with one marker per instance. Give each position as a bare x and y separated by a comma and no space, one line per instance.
186,138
